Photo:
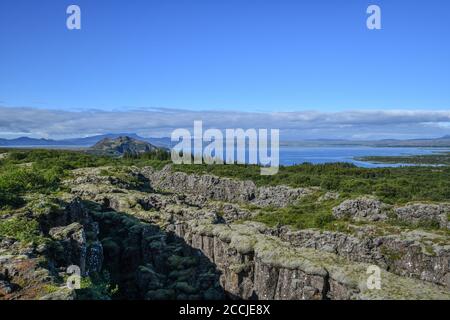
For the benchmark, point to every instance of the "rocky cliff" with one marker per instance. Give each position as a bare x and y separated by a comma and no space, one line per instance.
170,235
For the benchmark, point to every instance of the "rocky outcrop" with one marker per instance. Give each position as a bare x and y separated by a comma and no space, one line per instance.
408,255
420,214
74,232
183,242
365,245
230,212
72,240
147,262
278,196
416,254
362,209
22,275
345,245
259,266
76,250
223,189
416,214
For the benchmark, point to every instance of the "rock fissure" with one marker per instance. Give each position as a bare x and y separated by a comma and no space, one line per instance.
180,238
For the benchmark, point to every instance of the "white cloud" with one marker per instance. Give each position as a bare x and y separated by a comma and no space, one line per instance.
20,121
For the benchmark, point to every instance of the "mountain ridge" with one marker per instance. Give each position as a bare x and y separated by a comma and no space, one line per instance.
166,142
121,146
81,142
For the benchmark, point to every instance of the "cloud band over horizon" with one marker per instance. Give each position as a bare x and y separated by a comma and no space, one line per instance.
374,124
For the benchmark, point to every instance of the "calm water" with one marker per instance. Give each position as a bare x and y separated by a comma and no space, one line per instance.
297,155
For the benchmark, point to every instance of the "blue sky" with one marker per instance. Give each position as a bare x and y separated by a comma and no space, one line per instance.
286,55
225,55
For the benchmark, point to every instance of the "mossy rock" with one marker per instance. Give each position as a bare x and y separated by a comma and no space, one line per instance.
179,262
160,294
182,275
110,246
185,287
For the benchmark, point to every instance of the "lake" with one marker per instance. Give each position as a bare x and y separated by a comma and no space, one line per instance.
297,155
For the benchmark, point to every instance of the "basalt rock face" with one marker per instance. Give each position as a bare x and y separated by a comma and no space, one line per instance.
248,271
264,267
72,240
75,237
146,262
252,261
408,256
223,189
414,254
30,271
189,237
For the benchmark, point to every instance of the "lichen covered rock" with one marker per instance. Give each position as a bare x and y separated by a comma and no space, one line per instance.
428,214
362,209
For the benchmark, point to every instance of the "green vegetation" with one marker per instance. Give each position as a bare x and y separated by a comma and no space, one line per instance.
158,154
50,288
391,254
41,171
17,180
423,224
308,213
21,229
97,287
124,175
31,171
35,176
429,159
392,185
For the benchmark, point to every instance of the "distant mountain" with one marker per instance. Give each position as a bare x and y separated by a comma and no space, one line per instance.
80,142
25,141
120,146
437,142
166,142
434,142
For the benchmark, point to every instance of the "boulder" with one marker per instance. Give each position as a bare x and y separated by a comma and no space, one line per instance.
362,209
5,288
418,213
278,196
